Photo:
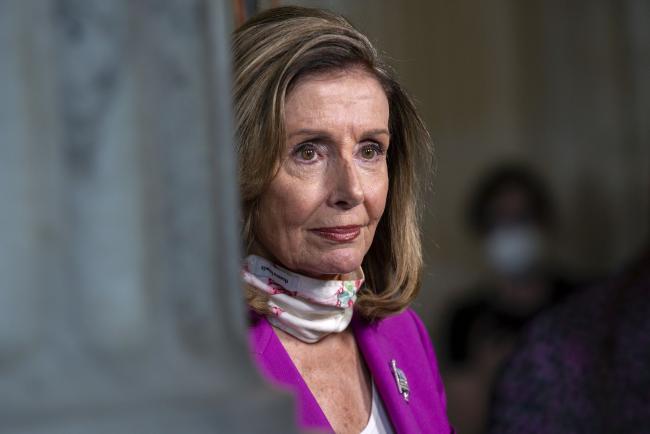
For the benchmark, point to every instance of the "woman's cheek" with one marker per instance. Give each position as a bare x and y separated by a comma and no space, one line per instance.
376,196
297,200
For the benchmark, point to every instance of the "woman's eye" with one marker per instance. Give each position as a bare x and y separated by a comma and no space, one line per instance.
369,152
306,152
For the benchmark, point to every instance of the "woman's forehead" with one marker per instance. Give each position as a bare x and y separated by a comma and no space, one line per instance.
336,98
332,74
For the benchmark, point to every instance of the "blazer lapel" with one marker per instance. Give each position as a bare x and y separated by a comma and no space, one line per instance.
274,361
378,356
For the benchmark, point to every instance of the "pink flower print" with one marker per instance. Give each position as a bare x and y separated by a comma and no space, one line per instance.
346,294
276,288
340,291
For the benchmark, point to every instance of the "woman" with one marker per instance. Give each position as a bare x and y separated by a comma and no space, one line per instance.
328,144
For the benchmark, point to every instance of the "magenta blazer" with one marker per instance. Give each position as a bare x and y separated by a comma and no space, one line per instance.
402,338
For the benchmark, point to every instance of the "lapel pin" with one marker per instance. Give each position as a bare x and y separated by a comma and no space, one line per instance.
400,379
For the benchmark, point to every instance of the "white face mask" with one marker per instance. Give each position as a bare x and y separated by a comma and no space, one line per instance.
307,308
514,250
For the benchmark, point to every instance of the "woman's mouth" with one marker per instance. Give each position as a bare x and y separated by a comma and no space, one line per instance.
339,234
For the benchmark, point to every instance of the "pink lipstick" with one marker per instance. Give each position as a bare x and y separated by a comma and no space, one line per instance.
339,234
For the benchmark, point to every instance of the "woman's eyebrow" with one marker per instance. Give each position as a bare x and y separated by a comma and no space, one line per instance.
309,132
327,135
377,132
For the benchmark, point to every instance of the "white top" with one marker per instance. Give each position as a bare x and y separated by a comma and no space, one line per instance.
379,423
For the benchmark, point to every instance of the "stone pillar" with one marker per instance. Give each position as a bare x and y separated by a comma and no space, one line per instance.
120,304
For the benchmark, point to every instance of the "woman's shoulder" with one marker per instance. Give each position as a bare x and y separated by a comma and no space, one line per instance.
405,325
405,336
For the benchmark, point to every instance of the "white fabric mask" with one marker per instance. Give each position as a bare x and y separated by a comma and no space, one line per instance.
307,308
514,250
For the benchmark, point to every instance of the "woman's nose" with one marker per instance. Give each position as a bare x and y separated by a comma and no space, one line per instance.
347,189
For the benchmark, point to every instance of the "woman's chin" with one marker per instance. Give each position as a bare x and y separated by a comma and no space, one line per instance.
332,265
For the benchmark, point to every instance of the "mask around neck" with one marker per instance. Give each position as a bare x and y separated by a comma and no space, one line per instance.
307,308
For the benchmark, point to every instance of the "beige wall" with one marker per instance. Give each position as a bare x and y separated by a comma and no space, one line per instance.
555,85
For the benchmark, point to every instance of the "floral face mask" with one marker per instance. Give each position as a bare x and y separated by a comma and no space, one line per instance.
307,308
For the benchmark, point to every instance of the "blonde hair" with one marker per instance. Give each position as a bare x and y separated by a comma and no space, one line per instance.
271,52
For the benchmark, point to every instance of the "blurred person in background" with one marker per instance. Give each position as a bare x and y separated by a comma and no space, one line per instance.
328,149
584,366
512,215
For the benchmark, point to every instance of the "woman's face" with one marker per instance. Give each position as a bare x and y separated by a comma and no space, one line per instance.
319,214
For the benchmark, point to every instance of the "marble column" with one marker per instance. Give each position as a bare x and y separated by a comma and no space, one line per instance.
120,307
